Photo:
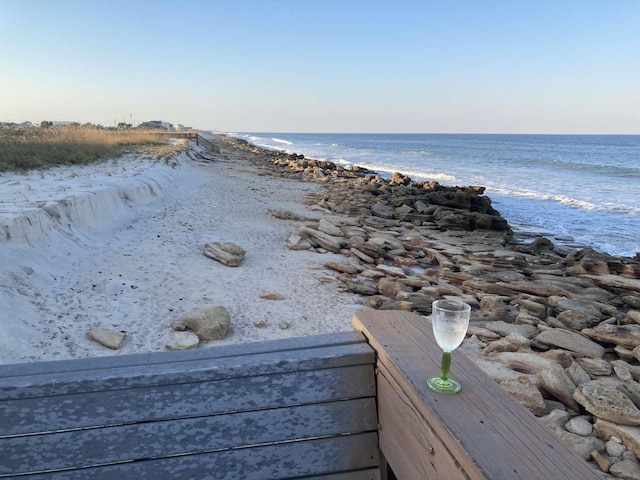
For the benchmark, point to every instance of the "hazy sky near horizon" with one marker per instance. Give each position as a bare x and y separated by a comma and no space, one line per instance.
326,65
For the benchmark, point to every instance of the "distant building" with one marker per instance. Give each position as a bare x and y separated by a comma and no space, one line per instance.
154,124
16,125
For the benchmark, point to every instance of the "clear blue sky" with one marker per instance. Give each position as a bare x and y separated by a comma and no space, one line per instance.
326,65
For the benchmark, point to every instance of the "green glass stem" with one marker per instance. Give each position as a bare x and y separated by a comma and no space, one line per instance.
446,364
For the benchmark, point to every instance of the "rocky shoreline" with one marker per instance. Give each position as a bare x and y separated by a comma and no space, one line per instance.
557,328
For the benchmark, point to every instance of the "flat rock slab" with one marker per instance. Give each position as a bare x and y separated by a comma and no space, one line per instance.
226,253
183,341
574,342
607,403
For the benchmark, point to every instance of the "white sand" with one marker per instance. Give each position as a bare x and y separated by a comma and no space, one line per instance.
119,245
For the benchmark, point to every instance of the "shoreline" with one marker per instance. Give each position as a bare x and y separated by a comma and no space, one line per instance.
560,332
578,220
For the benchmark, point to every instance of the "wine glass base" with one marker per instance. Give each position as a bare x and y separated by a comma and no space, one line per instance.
439,385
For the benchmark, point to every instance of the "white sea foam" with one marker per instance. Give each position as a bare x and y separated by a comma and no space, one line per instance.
279,140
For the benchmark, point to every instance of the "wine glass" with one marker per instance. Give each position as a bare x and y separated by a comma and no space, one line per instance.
450,320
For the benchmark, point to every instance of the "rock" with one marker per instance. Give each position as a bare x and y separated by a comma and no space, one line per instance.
580,426
382,210
329,228
626,469
627,336
578,374
328,242
504,329
630,436
614,447
226,253
510,343
271,296
391,271
632,300
182,341
284,325
603,462
633,316
616,283
607,403
500,372
525,392
107,338
551,375
177,326
342,267
286,215
555,418
576,313
626,370
595,366
583,446
631,390
574,342
556,381
297,242
210,323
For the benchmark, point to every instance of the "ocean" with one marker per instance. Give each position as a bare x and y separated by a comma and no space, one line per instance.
578,190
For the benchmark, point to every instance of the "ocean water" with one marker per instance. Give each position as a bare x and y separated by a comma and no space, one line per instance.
574,189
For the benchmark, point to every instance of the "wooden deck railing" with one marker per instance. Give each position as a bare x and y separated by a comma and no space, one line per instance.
195,136
284,409
480,433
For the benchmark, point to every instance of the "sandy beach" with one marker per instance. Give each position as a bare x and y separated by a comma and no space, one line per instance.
119,245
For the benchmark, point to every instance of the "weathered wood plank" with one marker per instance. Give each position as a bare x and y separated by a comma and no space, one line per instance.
100,446
273,462
488,433
61,412
202,354
399,443
127,377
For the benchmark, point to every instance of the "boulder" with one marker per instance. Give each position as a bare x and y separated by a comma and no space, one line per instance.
556,382
226,253
607,403
595,366
626,469
627,336
210,323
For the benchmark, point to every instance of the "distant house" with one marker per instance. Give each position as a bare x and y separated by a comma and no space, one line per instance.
16,125
155,124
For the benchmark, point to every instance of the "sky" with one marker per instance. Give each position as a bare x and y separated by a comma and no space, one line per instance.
507,66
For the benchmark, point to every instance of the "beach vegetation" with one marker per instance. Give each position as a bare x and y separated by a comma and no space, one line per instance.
37,148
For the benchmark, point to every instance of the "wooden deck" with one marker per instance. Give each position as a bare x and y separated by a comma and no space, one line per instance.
284,409
480,433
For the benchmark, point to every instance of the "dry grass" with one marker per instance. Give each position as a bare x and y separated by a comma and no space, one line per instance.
34,148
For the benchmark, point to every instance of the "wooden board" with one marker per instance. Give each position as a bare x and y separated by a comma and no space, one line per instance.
487,434
203,354
184,400
323,456
125,377
297,408
101,446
